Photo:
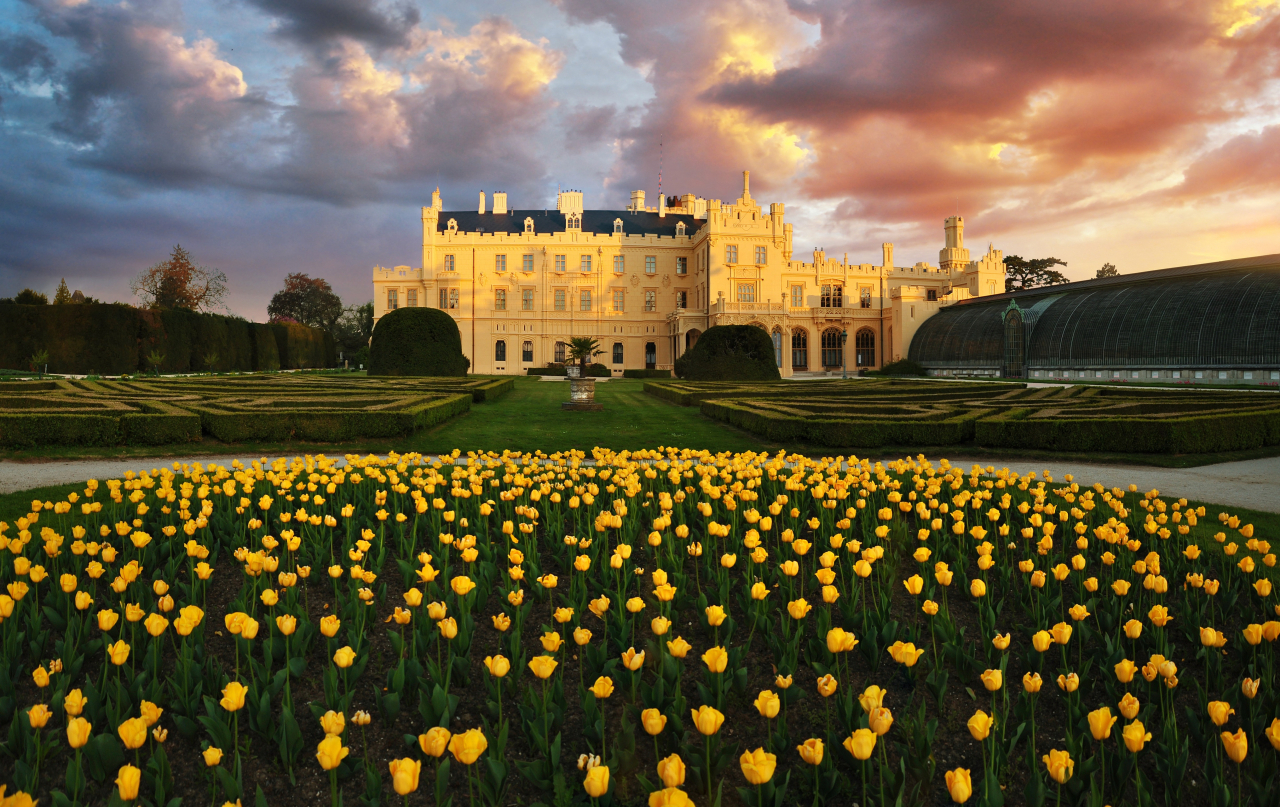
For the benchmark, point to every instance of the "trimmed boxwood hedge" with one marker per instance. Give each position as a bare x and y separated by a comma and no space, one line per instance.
646,373
844,433
417,342
596,370
117,339
730,353
283,424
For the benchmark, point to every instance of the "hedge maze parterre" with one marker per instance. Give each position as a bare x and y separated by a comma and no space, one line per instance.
262,408
861,414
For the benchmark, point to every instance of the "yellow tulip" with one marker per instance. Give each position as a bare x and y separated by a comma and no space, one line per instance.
881,720
597,781
38,716
671,771
1273,733
634,661
233,696
127,781
1220,712
1135,736
1032,682
551,641
980,725
1069,683
150,713
74,702
914,584
1041,640
677,647
861,744
716,659
653,721
212,756
992,680
468,746
344,657
333,722
798,608
330,752
767,703
1129,706
603,687
758,766
287,624
1060,765
435,742
1061,633
542,666
404,775
133,732
1125,670
707,719
498,666
329,625
78,732
811,751
959,785
1236,745
1100,723
827,686
1133,629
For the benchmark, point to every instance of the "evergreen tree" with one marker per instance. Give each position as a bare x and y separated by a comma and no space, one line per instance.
63,295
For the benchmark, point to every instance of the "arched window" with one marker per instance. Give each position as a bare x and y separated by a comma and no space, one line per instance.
832,352
453,225
500,350
777,346
650,356
617,353
799,349
528,225
559,354
574,222
679,228
864,345
527,352
617,226
691,338
1014,344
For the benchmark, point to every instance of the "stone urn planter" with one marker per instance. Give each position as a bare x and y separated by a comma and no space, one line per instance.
582,396
573,371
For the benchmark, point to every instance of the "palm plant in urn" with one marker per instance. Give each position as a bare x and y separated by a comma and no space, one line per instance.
582,390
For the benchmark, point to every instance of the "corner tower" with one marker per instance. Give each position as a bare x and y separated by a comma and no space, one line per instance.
953,257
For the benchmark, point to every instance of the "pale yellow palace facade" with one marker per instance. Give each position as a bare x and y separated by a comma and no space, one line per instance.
647,281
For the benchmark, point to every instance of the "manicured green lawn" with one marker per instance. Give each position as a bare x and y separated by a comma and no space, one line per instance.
529,418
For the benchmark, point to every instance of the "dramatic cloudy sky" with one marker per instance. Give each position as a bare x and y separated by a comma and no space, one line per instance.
272,136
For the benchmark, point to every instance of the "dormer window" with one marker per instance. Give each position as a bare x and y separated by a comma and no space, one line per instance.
617,226
680,228
528,225
453,225
572,222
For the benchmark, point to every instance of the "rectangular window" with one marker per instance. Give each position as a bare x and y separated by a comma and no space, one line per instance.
731,253
931,295
682,266
559,263
411,298
762,255
617,353
499,263
560,299
584,263
746,292
864,297
584,300
444,298
526,352
393,299
650,264
833,296
526,299
619,299
619,264
453,298
448,263
650,301
797,296
526,263
560,352
682,299
500,299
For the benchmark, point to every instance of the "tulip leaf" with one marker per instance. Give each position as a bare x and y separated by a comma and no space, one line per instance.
297,666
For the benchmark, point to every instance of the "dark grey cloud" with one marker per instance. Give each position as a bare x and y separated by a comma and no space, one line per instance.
25,58
319,22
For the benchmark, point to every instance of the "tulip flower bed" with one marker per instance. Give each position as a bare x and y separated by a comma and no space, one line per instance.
262,407
915,413
665,628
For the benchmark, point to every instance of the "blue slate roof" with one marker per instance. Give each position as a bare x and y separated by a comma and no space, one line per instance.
599,222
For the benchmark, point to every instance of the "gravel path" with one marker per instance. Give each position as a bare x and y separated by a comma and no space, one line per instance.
1254,484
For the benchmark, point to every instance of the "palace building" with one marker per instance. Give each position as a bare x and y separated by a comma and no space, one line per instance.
647,281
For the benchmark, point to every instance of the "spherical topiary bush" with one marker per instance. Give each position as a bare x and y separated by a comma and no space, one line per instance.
730,353
417,341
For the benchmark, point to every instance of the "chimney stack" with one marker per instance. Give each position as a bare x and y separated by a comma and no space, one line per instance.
481,202
500,203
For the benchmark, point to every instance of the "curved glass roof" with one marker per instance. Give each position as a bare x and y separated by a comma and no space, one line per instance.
1225,314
